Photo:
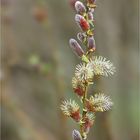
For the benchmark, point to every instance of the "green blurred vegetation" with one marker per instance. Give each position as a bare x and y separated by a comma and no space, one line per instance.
37,67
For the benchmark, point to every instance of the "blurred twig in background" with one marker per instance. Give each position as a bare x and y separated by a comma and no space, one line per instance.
24,122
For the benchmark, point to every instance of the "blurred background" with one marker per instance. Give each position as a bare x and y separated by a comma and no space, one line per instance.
37,67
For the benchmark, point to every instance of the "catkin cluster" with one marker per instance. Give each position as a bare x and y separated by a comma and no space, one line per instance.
89,67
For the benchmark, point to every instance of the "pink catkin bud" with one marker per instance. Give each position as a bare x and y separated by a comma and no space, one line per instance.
80,8
76,47
76,135
82,23
91,44
81,37
90,16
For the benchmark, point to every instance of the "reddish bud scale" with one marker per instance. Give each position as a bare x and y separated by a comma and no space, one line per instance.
87,125
76,47
80,8
79,91
76,116
89,106
82,23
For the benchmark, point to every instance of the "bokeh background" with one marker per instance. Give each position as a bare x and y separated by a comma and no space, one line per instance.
37,67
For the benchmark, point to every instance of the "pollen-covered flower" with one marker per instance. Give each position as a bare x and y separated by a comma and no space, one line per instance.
81,22
88,121
99,102
71,109
76,135
84,72
80,7
78,86
91,44
76,47
101,66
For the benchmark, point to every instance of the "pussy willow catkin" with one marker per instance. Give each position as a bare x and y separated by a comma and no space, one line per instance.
89,67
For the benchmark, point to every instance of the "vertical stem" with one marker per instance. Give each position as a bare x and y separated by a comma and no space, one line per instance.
84,111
